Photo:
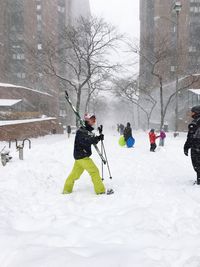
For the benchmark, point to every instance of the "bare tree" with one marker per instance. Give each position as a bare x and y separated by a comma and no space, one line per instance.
156,62
81,59
127,88
183,85
98,84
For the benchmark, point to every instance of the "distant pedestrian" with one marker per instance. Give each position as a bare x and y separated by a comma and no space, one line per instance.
121,129
152,139
69,130
127,131
118,127
162,138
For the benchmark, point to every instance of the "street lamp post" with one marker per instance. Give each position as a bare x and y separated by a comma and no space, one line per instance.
177,9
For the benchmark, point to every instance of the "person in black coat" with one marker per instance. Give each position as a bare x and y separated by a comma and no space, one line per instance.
127,131
69,130
193,140
121,129
84,140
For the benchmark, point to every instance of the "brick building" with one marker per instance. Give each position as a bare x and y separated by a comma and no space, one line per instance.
27,25
24,99
25,113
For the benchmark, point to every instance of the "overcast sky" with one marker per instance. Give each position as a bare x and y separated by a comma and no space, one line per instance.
122,13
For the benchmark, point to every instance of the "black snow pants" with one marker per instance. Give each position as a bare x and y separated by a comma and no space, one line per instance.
195,156
153,147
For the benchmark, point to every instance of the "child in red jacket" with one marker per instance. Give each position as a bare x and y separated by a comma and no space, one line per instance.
152,138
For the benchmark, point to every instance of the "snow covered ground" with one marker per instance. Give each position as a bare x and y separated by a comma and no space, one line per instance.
152,220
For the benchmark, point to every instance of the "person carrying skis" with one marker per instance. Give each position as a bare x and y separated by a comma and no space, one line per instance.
152,139
127,131
82,152
193,141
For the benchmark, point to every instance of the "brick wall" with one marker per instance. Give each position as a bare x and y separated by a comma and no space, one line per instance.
28,130
32,100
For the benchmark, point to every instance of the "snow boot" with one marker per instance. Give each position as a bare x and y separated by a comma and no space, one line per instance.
110,191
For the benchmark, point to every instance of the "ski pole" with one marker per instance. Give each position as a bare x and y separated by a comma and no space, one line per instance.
106,160
100,129
102,162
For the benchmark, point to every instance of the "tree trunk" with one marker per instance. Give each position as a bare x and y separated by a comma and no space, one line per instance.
78,103
87,103
148,122
161,105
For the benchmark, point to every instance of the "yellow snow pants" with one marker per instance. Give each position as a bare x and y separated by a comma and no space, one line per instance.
78,168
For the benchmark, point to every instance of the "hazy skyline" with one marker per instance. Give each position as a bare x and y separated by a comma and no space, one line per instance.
122,13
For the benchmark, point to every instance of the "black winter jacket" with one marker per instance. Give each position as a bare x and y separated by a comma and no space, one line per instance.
83,141
127,133
193,137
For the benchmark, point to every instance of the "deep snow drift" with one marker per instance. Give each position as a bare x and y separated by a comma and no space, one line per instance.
153,219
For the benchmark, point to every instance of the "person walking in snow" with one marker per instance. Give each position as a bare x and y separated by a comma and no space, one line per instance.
193,141
162,138
69,130
121,129
117,127
152,139
127,131
82,152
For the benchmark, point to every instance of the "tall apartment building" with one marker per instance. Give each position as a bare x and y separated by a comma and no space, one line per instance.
26,24
158,26
158,31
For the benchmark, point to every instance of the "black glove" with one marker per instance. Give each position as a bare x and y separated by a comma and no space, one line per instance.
186,152
101,137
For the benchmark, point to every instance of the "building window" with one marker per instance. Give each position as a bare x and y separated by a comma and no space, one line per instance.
39,17
39,7
39,46
39,27
62,113
172,68
192,49
194,9
20,75
19,56
61,9
16,46
194,1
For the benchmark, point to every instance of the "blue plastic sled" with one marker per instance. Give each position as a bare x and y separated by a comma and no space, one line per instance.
130,142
